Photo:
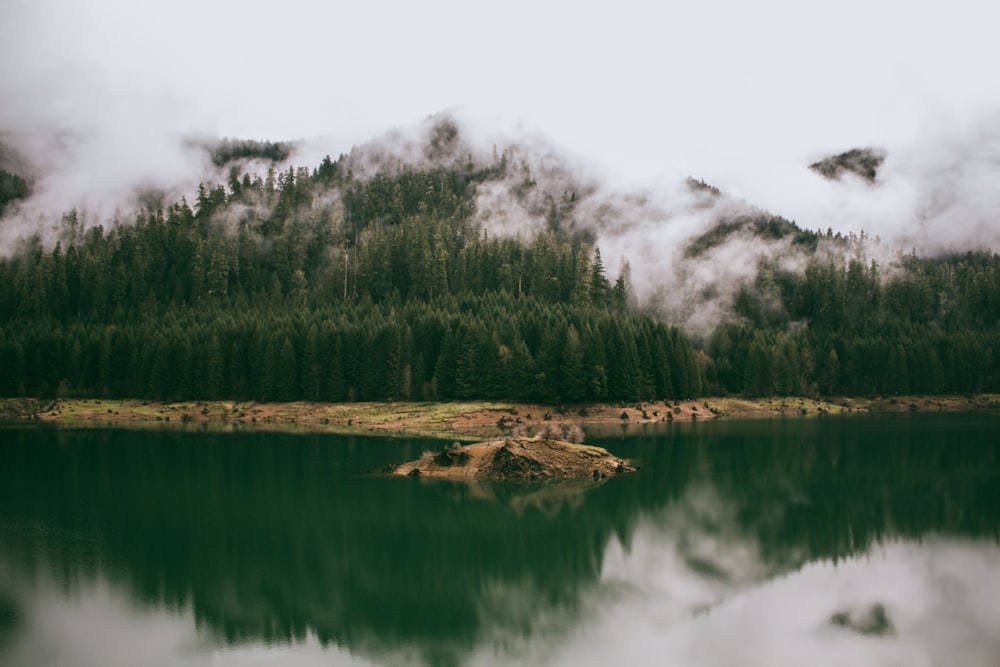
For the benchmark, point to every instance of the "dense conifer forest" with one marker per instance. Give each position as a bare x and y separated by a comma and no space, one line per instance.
334,285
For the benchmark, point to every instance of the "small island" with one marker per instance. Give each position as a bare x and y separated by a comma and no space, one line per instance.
516,459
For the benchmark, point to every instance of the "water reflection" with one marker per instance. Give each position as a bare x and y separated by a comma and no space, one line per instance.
939,596
222,549
99,624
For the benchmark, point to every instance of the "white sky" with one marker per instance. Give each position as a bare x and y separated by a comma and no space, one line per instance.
741,94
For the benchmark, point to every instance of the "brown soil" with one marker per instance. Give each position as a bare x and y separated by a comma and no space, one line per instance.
462,421
516,459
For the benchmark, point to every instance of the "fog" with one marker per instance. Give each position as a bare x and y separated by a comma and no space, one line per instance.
96,623
104,101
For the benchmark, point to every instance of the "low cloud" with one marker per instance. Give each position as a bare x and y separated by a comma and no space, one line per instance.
934,194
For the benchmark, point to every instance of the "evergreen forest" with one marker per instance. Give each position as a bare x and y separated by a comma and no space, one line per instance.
354,283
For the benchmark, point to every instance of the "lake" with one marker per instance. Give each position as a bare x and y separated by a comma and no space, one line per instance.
833,541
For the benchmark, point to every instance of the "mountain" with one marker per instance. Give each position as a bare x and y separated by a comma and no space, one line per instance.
861,162
226,151
425,266
13,184
12,189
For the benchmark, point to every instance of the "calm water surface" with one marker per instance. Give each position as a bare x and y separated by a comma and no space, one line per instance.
853,541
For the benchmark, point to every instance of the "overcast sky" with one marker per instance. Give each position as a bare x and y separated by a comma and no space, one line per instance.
742,94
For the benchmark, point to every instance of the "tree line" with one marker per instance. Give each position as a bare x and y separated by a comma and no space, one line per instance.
327,285
493,346
931,326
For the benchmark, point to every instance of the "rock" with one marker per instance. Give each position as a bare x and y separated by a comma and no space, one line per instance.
452,455
872,621
514,465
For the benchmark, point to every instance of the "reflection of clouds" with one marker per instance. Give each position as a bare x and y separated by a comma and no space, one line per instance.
689,557
940,596
788,621
680,562
656,603
96,624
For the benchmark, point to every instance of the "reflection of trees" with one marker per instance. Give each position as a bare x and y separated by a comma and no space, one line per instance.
267,536
830,488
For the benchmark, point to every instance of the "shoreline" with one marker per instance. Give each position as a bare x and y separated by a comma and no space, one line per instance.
465,421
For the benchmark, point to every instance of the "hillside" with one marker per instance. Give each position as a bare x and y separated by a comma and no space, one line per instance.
429,269
863,163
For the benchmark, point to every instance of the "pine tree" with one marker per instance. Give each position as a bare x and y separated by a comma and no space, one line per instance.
574,380
214,366
286,380
312,368
600,288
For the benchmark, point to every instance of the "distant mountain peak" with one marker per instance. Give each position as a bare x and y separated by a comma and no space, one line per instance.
225,151
862,162
699,186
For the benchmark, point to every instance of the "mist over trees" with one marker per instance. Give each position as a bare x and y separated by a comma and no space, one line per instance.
844,328
231,150
386,292
12,188
374,279
862,162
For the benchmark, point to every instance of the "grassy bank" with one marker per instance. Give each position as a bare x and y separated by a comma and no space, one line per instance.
461,421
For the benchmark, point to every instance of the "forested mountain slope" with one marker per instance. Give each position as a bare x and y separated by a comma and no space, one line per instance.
436,272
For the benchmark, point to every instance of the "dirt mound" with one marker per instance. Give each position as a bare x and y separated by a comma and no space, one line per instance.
516,459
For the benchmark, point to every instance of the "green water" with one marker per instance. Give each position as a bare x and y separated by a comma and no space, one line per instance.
869,540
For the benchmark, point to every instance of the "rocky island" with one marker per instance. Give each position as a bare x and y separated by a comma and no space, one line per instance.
516,459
